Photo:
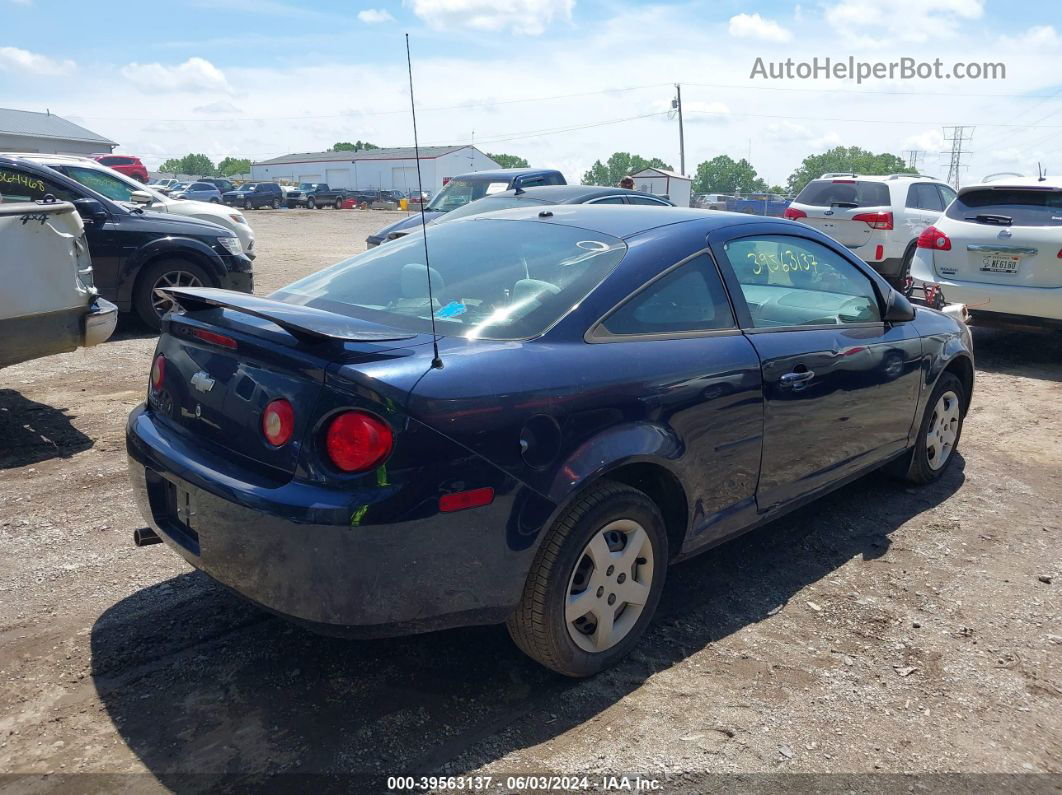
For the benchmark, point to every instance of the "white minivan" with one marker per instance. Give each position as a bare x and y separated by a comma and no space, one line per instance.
48,303
998,249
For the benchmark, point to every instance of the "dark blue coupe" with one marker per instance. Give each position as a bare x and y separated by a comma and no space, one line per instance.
620,388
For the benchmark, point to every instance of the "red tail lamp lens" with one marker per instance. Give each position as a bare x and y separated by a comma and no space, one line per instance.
461,500
794,214
158,372
875,220
933,238
278,422
357,441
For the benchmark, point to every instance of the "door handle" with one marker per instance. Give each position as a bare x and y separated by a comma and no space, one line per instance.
797,380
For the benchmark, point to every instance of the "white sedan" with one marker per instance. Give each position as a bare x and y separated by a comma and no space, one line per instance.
119,187
998,249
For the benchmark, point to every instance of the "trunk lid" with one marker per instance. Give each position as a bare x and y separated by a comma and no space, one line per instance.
833,206
223,366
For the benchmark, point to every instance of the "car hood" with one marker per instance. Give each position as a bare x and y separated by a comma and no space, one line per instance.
170,224
407,223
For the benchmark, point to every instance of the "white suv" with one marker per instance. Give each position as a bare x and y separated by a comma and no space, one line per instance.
116,185
998,249
878,217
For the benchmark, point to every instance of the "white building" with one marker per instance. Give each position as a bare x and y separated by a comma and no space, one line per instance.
379,169
46,133
664,183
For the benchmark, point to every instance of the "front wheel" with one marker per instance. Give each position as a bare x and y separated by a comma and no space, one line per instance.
338,205
247,204
938,434
215,201
151,305
595,582
275,204
310,203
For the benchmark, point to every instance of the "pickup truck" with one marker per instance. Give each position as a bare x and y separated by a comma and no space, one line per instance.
318,194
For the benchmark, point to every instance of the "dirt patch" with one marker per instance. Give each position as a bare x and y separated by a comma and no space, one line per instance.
883,629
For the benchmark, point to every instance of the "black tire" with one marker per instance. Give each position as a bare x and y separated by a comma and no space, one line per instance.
915,466
311,203
143,292
275,204
215,201
538,626
338,204
247,204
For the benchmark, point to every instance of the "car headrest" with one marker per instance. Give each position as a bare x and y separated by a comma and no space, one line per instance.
414,280
528,289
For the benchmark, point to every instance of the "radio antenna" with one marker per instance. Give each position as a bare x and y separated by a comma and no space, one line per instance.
436,362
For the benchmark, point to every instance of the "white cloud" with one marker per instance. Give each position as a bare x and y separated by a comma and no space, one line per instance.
876,23
753,26
195,74
219,108
374,16
13,59
525,17
1038,37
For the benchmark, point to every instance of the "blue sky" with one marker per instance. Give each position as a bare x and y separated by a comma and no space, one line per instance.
562,82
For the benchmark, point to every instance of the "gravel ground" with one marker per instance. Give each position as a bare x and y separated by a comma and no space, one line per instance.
884,629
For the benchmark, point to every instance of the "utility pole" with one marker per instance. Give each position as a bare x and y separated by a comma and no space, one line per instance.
913,156
676,104
956,136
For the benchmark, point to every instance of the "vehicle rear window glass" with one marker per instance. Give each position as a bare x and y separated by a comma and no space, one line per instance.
490,204
689,298
1009,206
459,192
490,278
846,193
105,182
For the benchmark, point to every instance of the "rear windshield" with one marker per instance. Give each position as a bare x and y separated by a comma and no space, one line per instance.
490,279
1006,206
489,205
844,193
459,192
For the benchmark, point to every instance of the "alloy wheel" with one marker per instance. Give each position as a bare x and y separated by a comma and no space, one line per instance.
163,303
610,586
943,430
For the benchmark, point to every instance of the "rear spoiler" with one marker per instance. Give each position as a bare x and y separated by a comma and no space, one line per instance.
302,322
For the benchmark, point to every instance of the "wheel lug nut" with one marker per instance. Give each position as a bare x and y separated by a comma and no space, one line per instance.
600,591
609,570
612,598
621,579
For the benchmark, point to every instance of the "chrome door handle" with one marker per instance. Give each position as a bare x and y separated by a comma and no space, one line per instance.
797,380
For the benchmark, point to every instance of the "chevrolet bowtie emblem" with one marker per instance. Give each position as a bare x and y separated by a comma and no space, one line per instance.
202,381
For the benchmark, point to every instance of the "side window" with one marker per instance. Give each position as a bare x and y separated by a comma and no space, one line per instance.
689,298
947,195
609,200
20,186
531,182
646,200
554,179
924,196
793,281
101,181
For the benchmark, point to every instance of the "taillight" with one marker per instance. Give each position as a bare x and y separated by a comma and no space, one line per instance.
875,220
1060,253
933,238
158,372
794,214
356,441
278,422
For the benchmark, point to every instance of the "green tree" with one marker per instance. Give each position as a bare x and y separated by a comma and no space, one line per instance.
509,161
845,159
234,165
723,174
193,165
619,165
347,146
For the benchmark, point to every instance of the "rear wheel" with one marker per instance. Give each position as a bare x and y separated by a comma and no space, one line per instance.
595,582
149,305
275,204
247,204
310,203
938,434
338,205
215,201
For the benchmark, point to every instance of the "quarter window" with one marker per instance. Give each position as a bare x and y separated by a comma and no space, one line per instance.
689,298
792,281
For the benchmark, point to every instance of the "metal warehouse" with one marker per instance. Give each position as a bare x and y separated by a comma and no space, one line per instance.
381,169
28,131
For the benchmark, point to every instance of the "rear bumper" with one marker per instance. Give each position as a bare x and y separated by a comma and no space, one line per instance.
241,282
1033,304
99,323
297,549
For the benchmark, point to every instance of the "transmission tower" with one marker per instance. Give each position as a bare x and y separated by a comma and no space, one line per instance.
956,136
913,158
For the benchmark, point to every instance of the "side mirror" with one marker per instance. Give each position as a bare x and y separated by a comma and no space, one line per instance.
897,308
140,197
91,210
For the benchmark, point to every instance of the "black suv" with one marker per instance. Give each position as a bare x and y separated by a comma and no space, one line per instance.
133,250
223,185
254,195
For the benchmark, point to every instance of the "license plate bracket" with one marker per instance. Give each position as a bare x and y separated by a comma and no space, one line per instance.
1000,262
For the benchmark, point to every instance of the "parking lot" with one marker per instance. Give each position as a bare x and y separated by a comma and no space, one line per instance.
883,629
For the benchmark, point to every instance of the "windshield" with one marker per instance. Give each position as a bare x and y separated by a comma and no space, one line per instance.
1006,206
490,278
109,183
459,192
844,192
489,205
